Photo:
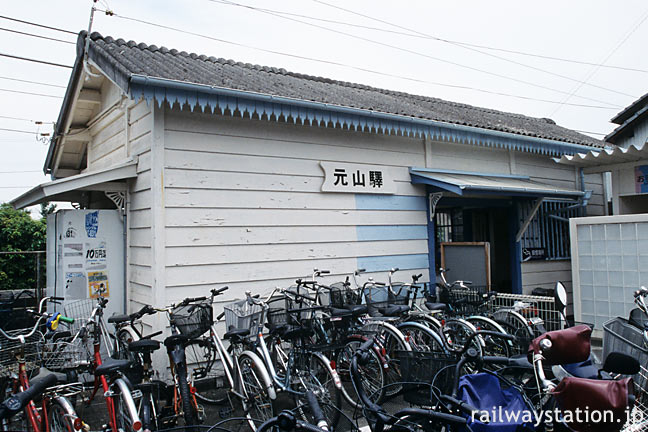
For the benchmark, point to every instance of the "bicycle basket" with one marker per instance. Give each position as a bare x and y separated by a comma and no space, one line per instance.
243,315
80,311
378,297
194,319
341,295
30,352
621,336
277,314
424,372
61,356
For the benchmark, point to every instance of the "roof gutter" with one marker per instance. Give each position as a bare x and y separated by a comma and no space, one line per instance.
559,147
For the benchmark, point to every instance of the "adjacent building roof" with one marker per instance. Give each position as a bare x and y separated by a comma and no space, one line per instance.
627,118
604,160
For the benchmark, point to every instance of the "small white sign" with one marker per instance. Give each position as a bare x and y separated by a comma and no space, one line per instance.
357,178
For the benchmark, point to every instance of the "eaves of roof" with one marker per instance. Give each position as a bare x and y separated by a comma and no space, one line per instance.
617,133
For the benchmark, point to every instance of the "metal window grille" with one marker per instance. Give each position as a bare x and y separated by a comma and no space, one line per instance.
549,229
449,225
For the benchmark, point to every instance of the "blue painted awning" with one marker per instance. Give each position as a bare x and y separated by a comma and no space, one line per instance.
475,183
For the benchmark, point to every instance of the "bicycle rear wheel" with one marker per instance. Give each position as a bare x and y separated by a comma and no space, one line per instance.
201,355
317,377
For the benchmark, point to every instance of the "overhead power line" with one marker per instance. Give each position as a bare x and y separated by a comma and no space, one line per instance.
37,36
607,57
32,82
31,93
460,45
22,131
334,63
37,25
26,119
20,172
35,60
418,36
417,53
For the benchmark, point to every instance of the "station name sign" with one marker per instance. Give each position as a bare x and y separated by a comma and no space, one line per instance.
357,178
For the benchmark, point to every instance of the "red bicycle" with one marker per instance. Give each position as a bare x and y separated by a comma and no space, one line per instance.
21,354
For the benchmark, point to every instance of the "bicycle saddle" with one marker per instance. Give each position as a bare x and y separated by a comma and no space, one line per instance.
394,310
111,366
436,306
236,333
118,319
61,378
176,339
144,345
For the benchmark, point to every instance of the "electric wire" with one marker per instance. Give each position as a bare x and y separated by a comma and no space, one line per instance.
19,172
35,60
471,48
607,57
26,119
32,82
334,63
22,131
413,35
36,36
31,93
417,53
37,25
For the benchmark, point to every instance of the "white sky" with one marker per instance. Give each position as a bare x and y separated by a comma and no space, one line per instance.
591,31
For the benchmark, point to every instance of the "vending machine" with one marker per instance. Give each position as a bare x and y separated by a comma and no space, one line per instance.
85,257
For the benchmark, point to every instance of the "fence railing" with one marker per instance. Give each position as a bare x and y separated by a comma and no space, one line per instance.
20,270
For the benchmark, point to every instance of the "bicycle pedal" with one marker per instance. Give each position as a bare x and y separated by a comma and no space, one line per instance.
225,412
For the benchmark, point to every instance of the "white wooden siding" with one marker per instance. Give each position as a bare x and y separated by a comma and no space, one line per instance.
244,206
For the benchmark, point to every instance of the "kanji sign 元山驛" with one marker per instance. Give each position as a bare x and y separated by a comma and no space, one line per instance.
357,178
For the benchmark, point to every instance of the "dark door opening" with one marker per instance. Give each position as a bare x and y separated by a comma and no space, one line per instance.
490,224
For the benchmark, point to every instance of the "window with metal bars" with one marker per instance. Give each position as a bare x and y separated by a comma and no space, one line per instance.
548,232
449,225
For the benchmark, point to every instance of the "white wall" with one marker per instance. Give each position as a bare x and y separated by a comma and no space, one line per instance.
244,205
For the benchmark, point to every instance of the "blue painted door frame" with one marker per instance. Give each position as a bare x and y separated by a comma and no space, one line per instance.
515,248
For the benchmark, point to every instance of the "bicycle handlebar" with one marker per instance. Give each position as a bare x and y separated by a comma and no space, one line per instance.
17,402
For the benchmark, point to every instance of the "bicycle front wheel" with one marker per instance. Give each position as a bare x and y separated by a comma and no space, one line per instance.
319,378
258,404
60,420
125,408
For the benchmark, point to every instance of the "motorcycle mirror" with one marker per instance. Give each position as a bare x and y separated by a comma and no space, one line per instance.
560,296
620,363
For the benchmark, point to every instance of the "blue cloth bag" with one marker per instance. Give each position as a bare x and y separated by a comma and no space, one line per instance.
484,392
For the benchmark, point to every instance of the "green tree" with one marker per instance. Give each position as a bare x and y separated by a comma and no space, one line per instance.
19,232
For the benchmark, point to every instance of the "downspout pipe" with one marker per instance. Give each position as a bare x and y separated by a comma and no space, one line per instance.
581,174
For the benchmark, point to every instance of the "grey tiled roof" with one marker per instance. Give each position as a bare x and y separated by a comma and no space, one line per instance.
124,59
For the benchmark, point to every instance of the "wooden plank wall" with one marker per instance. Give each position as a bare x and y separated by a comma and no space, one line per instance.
244,206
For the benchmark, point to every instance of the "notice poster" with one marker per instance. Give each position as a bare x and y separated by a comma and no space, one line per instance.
96,265
75,285
73,256
641,179
98,284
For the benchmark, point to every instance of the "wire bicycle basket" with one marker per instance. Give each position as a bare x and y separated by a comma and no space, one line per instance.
11,351
80,311
194,319
63,356
243,315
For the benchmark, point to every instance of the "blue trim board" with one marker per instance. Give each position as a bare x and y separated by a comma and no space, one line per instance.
244,103
431,230
386,262
390,202
391,232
